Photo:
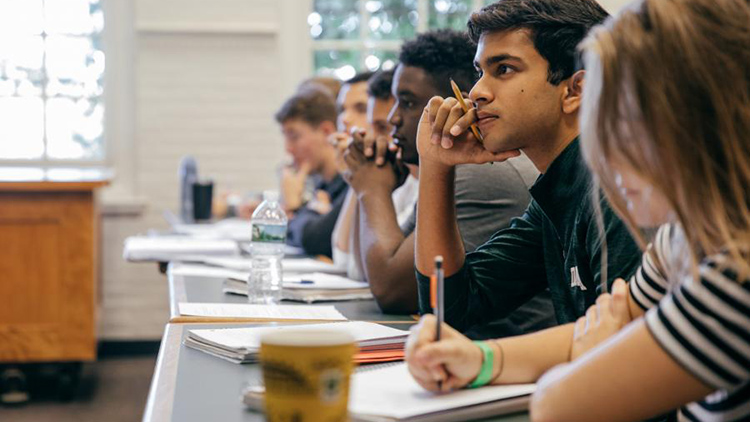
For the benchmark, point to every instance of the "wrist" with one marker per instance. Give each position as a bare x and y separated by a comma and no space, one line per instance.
487,368
375,191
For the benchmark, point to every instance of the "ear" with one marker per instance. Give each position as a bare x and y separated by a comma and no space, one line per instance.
327,127
571,101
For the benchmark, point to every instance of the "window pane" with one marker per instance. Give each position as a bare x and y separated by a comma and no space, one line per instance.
73,17
381,59
74,128
20,17
340,63
75,67
392,19
21,65
450,14
334,20
22,130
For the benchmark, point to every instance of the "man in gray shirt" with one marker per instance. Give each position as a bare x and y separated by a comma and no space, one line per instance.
484,206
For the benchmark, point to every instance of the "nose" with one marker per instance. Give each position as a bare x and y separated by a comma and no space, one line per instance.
394,117
480,92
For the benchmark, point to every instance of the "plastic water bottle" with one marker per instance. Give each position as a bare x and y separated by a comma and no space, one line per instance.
267,250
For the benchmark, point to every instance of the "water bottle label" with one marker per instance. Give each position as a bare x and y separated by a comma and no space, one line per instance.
270,233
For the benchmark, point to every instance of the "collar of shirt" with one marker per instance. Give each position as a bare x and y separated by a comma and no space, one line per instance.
564,188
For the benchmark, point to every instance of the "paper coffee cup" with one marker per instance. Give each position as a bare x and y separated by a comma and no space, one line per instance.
306,375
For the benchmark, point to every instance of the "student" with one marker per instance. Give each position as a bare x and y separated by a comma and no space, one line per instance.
487,197
307,119
527,99
345,237
666,128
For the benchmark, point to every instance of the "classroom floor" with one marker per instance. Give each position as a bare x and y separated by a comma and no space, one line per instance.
113,389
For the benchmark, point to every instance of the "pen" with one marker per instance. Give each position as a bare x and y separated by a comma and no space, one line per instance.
437,299
460,98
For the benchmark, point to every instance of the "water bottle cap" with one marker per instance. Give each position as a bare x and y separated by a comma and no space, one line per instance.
271,196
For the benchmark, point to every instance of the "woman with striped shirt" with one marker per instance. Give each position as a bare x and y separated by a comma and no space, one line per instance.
666,129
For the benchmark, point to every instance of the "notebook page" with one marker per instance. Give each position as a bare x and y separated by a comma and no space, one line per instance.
392,392
197,270
321,281
302,265
249,338
243,310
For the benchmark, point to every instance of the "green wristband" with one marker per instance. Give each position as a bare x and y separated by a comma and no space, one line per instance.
488,360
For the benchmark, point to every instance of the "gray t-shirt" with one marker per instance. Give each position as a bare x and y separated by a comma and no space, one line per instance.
488,197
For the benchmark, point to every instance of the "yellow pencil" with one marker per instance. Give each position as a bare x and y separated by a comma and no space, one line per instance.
460,98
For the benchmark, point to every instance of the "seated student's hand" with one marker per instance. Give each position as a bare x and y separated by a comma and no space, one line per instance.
340,142
602,320
444,136
293,185
455,360
378,148
364,175
321,202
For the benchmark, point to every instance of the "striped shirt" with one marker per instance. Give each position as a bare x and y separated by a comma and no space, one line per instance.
704,325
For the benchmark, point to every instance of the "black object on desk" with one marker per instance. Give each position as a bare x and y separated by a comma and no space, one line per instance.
203,192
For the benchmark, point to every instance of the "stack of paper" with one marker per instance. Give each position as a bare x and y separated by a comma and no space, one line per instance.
388,393
230,228
300,265
250,312
174,248
309,288
377,343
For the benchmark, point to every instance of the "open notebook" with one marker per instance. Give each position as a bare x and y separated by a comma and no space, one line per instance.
289,265
309,288
173,248
389,393
377,343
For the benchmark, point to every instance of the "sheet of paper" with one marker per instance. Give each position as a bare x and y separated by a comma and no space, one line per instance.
198,270
167,248
242,310
301,265
249,338
232,228
321,281
392,392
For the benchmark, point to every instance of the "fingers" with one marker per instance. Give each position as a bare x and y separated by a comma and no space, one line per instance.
381,150
455,113
304,170
464,122
620,307
441,117
580,328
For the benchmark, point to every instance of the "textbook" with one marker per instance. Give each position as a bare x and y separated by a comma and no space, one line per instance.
388,393
309,288
377,343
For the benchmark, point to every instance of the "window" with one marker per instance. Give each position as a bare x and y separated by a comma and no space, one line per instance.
367,34
51,81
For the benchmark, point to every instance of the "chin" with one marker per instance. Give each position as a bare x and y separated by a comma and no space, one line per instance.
494,145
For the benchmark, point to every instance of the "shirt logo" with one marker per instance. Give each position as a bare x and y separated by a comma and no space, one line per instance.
575,279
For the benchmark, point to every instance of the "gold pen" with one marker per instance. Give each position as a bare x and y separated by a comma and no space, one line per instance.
460,98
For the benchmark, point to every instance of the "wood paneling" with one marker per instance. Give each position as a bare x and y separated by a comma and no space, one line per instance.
48,273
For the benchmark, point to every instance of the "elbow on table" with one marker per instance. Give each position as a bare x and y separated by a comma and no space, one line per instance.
391,300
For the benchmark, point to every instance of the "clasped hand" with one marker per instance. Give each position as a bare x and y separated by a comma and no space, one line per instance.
371,163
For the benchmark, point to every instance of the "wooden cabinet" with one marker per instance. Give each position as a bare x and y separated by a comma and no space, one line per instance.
49,240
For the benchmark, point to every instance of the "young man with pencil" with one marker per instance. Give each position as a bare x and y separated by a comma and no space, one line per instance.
487,197
527,99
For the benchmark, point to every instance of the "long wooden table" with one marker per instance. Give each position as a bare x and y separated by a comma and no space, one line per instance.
195,289
190,385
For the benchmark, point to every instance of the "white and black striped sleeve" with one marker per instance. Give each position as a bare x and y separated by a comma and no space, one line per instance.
649,283
705,325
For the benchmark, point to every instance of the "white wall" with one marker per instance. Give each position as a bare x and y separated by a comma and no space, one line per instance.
187,77
613,6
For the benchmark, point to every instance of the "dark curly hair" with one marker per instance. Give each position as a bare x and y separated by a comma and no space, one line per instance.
557,26
379,85
443,54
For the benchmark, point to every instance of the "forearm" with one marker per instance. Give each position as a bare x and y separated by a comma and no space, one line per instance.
388,262
437,230
342,232
525,358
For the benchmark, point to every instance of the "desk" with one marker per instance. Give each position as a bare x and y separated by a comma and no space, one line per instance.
195,289
49,235
190,385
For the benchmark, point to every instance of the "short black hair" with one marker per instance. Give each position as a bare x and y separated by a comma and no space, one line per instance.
379,85
442,54
359,77
557,27
312,104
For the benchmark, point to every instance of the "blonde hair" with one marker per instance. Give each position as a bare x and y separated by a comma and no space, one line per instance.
667,93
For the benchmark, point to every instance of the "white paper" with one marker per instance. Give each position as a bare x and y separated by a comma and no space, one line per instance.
249,338
231,228
170,248
301,265
321,281
197,270
242,310
392,392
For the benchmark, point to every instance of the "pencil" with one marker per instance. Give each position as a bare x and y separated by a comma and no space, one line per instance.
438,299
460,98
